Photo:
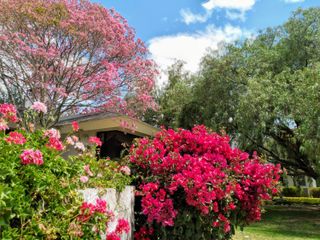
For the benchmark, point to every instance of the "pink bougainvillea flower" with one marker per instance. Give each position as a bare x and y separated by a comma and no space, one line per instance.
75,126
84,179
122,226
16,138
101,206
86,212
95,140
112,236
125,170
214,178
144,233
39,107
30,156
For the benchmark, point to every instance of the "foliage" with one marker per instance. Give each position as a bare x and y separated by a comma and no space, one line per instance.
264,93
104,173
171,98
73,56
38,188
315,192
297,200
195,186
291,192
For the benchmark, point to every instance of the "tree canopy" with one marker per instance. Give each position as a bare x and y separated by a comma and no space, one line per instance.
74,56
265,92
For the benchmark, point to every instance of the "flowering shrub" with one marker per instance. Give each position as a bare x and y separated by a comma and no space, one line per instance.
38,188
85,225
195,186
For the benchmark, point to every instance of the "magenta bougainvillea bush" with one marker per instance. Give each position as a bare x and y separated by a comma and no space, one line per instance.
38,188
194,185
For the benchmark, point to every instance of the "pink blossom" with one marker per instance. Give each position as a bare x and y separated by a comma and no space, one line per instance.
69,141
9,112
210,175
87,170
84,179
86,212
122,226
3,125
112,236
125,170
16,138
30,156
80,146
55,143
75,138
39,107
95,140
75,126
52,133
101,206
118,59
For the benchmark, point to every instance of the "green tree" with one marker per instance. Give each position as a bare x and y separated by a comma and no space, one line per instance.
265,93
172,98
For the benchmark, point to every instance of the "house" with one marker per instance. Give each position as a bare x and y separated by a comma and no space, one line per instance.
115,131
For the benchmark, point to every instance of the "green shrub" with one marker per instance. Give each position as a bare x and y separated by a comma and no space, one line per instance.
296,200
291,192
315,192
38,188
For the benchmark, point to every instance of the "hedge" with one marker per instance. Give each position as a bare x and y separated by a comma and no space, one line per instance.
301,192
315,192
291,192
295,200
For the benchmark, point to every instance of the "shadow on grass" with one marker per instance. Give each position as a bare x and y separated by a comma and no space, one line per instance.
290,222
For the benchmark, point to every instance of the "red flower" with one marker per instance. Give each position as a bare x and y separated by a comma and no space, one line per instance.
123,226
101,206
75,126
16,138
95,140
86,211
55,143
9,112
112,236
30,156
201,167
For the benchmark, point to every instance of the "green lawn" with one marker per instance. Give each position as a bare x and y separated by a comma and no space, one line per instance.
284,223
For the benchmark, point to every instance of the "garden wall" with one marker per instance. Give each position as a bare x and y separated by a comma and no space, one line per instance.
121,203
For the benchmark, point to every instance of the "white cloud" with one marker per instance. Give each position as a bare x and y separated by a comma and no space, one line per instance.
189,17
234,15
241,5
190,48
293,1
235,9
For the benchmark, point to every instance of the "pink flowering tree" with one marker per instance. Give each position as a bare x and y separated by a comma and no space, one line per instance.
194,185
73,56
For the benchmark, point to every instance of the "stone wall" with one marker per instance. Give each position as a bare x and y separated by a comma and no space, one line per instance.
121,203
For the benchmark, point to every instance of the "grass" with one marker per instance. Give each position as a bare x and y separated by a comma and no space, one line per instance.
284,223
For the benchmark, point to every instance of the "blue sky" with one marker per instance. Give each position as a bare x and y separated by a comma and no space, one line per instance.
186,29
